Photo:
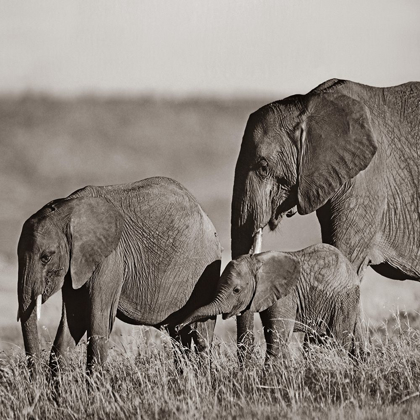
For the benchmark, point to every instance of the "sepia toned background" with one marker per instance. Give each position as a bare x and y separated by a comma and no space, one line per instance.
109,92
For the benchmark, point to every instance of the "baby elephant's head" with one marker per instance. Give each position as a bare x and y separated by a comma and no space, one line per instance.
252,282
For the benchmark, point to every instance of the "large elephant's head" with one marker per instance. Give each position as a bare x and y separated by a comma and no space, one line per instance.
64,238
297,152
253,282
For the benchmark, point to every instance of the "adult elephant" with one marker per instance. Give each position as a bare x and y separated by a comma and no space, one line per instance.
145,252
348,151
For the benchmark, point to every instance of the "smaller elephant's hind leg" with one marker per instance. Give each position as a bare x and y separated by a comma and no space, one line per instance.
193,339
203,333
181,346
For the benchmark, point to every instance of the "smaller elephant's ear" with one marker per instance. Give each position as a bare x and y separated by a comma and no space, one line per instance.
277,275
95,230
336,142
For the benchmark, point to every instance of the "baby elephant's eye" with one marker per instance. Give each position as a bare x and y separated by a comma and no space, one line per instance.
236,290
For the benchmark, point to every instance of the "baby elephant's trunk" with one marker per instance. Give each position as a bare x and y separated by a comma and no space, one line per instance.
207,311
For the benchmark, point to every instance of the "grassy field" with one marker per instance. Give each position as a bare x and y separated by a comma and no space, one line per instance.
140,380
50,147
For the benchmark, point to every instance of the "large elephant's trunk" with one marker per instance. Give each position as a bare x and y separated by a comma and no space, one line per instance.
250,212
242,224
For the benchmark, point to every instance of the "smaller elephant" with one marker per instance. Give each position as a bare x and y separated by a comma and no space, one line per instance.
144,252
317,290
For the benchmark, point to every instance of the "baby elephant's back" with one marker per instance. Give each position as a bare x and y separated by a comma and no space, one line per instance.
327,267
330,288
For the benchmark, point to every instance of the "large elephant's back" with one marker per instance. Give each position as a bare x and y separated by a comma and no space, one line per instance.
167,242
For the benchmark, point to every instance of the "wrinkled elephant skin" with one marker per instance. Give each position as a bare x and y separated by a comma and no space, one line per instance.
316,291
145,252
347,151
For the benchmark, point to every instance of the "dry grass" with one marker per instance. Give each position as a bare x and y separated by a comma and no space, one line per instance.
140,380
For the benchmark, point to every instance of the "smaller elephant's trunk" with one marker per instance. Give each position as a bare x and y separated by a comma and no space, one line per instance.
30,335
38,309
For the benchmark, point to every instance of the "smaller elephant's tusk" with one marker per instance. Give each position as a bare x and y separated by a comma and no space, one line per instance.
38,307
257,246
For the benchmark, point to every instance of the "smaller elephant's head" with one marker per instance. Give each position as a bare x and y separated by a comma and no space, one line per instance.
65,239
253,282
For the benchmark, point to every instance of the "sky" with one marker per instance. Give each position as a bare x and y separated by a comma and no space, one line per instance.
197,47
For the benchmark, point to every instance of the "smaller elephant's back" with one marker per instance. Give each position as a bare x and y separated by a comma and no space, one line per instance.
168,243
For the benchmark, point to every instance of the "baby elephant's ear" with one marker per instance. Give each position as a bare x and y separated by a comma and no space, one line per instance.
276,277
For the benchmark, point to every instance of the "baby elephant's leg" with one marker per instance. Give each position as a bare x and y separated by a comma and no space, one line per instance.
360,348
347,325
278,322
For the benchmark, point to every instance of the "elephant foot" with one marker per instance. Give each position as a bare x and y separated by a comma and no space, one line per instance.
245,355
97,353
32,363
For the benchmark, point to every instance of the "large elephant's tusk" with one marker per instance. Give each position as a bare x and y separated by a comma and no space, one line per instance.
257,246
18,315
38,307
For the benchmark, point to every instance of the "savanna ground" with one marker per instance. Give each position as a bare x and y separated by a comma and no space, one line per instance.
141,380
50,147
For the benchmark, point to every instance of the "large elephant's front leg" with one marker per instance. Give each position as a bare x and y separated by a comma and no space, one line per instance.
278,322
104,291
73,324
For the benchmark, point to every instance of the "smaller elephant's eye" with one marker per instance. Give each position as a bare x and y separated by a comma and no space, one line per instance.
236,290
46,258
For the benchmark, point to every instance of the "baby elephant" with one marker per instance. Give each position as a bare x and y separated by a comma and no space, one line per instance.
316,290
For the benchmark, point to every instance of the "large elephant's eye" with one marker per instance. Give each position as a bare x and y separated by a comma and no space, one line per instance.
263,169
236,290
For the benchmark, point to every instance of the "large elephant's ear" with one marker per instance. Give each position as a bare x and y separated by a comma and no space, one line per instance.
95,230
336,143
277,275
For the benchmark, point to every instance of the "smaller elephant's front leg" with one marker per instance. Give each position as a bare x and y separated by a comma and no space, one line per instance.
104,291
61,344
97,349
